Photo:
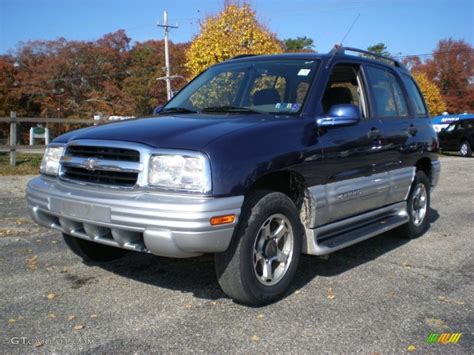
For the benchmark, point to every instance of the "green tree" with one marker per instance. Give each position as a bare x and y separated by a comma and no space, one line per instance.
298,44
379,48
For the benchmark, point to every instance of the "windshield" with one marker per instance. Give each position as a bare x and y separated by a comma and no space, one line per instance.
260,86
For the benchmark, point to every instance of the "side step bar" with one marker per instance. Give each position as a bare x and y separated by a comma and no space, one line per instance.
338,235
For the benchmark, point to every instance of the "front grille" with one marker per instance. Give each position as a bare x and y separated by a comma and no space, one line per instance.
109,153
101,165
118,178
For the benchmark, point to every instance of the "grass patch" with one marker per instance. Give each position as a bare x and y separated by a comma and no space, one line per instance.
26,164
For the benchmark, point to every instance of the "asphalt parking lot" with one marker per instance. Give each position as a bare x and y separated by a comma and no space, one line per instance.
385,295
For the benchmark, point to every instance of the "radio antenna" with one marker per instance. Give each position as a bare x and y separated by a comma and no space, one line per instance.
350,28
337,46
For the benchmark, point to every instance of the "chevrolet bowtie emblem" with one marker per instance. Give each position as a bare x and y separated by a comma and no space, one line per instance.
90,163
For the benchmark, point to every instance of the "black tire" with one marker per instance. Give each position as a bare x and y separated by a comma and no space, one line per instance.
413,229
90,251
465,149
235,268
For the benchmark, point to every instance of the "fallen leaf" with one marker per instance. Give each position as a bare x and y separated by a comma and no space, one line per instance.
51,316
297,292
51,296
449,300
20,317
54,241
38,343
79,327
64,270
11,321
411,348
188,306
31,263
255,338
331,294
408,266
94,316
71,317
260,316
434,322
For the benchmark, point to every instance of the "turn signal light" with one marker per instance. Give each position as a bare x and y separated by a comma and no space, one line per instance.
227,219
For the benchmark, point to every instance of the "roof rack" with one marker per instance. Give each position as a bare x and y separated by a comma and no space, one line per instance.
339,50
242,56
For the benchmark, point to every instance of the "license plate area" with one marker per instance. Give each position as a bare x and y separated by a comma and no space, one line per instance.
80,210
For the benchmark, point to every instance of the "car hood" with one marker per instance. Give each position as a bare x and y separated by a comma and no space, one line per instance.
191,132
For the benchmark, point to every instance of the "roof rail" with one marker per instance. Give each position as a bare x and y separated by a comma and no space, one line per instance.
242,56
339,50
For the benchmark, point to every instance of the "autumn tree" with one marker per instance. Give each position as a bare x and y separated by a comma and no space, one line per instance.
7,85
452,69
298,44
146,65
431,93
233,31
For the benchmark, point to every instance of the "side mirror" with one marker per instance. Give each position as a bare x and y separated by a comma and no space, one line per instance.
340,115
158,109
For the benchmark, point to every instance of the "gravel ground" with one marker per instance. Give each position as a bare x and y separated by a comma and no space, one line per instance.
384,295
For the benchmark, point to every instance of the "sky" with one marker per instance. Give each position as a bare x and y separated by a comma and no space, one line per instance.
407,27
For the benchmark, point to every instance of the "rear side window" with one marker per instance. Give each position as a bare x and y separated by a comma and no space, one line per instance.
415,94
388,97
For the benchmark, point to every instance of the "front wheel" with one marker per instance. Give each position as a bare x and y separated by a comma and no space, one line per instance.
261,261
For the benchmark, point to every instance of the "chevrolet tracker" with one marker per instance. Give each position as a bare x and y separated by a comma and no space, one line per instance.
256,160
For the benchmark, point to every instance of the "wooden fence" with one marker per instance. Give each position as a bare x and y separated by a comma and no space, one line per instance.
12,146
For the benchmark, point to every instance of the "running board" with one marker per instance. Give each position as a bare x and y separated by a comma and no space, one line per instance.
338,235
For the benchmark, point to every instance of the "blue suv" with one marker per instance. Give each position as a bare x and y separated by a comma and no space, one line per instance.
256,160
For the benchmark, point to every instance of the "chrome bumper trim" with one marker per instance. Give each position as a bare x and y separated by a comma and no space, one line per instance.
163,224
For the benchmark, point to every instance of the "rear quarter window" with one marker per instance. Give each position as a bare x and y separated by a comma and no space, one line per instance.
415,95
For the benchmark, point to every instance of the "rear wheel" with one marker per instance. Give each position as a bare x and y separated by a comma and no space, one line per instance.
261,261
90,251
418,207
465,149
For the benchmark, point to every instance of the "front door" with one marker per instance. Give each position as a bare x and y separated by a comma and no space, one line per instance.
353,157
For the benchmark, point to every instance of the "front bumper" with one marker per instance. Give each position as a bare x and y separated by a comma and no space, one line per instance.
161,224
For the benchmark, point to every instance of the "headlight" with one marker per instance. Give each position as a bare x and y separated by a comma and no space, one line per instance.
51,157
180,172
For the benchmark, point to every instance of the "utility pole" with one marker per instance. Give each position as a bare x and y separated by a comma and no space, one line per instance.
167,76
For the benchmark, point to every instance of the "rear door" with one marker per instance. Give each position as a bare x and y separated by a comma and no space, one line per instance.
389,104
450,138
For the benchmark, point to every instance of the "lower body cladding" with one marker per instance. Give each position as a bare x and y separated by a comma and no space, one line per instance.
161,224
349,211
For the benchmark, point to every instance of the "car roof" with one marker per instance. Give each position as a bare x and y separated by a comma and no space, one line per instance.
338,54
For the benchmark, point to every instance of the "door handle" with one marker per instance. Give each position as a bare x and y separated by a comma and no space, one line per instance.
412,130
374,133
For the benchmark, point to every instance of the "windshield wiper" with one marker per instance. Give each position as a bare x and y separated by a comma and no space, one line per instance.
178,110
229,108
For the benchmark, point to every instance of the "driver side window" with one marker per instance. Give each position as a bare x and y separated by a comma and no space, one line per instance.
344,87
